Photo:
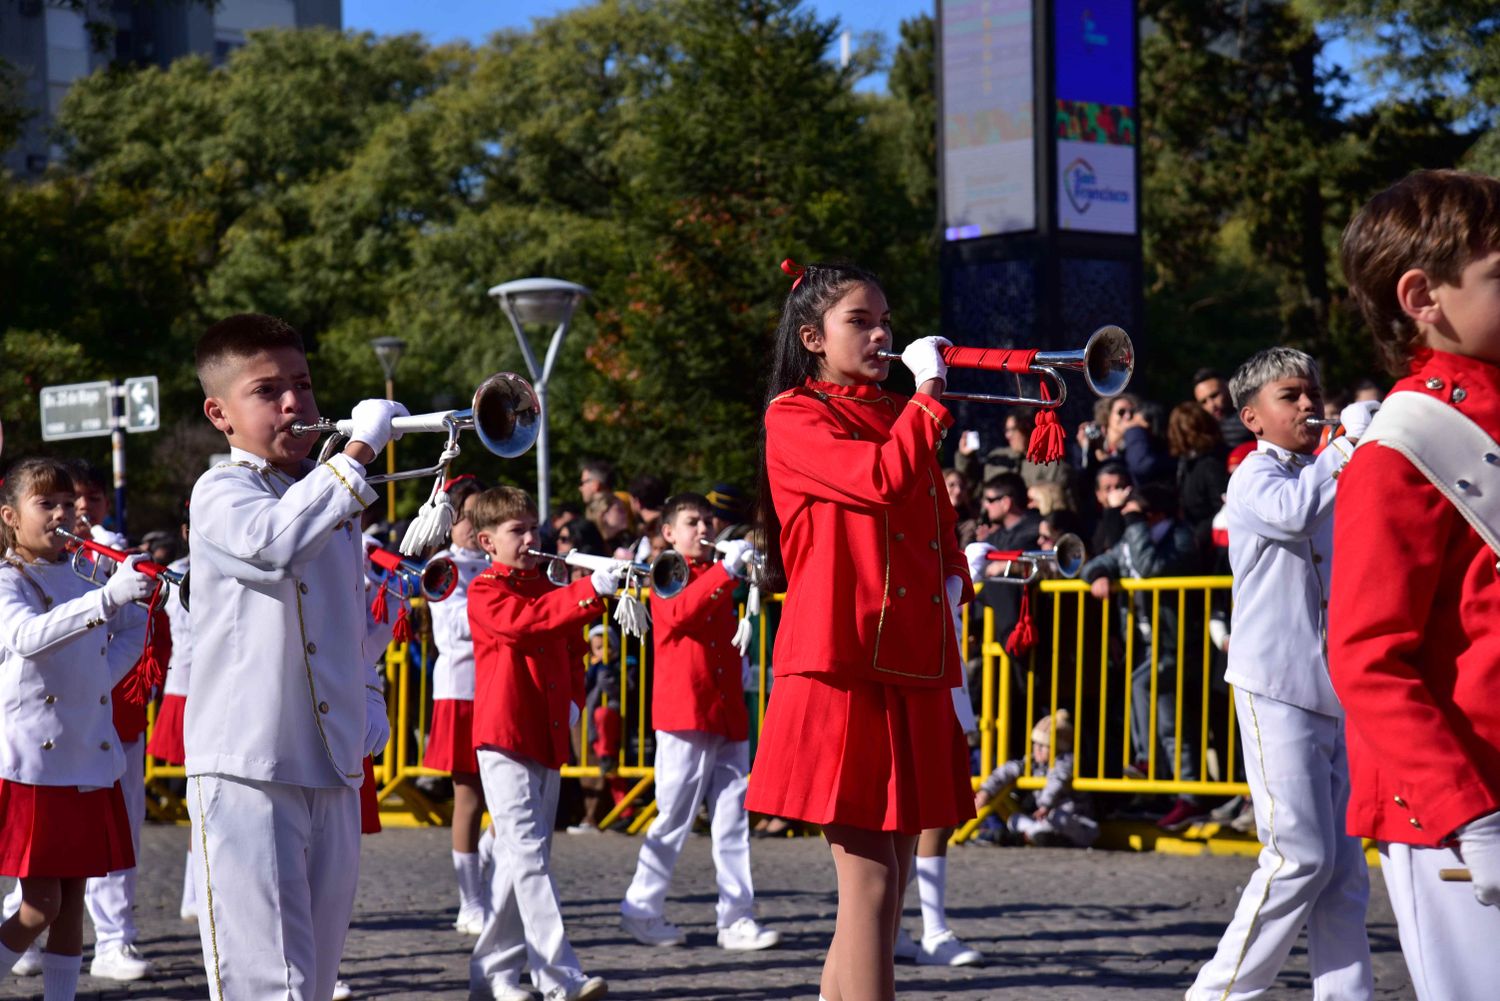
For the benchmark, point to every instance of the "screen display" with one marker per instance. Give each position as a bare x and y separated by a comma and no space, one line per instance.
1094,120
989,167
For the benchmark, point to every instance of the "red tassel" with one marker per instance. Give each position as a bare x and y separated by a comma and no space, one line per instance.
150,671
1023,637
378,609
401,632
1048,439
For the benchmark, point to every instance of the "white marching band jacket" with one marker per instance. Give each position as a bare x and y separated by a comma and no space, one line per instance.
56,672
1279,506
282,638
453,672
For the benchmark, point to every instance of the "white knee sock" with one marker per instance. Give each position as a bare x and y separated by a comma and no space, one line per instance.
7,960
60,976
470,882
189,891
932,883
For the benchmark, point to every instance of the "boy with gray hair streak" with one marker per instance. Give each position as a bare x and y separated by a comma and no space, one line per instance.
1279,506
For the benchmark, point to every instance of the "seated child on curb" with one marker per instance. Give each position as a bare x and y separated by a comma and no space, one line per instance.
1062,815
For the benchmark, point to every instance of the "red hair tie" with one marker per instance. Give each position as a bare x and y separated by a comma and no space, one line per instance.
795,270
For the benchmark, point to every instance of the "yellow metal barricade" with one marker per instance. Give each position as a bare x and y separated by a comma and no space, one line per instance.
1086,653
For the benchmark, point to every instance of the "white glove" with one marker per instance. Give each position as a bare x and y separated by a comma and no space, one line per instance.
1479,844
736,554
372,422
977,553
1356,418
606,580
128,584
377,724
924,357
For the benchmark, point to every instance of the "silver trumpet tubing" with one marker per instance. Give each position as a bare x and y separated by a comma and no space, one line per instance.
666,575
1106,361
435,580
1067,558
505,414
94,562
1323,422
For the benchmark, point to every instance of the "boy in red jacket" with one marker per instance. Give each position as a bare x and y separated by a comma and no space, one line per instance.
528,692
702,739
1414,622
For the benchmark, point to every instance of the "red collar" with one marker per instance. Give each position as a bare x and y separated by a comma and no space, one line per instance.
498,569
1470,385
863,391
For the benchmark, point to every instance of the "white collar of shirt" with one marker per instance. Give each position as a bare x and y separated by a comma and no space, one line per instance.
1296,459
264,465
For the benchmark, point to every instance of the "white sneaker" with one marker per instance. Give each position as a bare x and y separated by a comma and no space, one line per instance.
120,963
583,829
469,922
655,930
946,950
579,990
30,963
906,946
745,935
341,991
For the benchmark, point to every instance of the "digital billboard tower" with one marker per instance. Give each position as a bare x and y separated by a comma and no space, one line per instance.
1039,189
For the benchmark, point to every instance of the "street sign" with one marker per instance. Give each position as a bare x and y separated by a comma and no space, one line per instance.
142,404
79,410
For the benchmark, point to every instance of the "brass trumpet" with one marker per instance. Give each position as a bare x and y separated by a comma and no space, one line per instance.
1067,558
436,580
667,574
1106,360
504,414
88,556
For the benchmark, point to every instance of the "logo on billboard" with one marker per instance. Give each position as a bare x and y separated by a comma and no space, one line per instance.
1093,38
1083,187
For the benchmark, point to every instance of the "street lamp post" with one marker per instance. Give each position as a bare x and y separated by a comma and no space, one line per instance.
543,302
388,351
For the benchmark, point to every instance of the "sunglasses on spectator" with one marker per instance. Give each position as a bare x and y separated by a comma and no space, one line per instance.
993,498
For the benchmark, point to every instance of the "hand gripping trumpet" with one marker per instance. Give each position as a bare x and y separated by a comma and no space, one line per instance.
755,565
150,670
1067,558
504,413
667,576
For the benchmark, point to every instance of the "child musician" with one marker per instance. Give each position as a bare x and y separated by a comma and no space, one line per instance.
1280,512
165,743
528,692
450,742
281,715
702,739
1414,635
860,736
62,813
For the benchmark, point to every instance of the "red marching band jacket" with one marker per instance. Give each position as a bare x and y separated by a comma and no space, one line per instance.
528,660
1414,632
698,680
867,535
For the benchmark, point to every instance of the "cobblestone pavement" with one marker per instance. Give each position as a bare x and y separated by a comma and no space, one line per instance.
1057,924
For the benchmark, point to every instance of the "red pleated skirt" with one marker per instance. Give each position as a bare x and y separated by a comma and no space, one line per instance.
60,832
369,805
880,757
450,741
166,733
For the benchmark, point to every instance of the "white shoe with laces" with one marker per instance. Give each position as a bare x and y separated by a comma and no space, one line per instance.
579,990
945,949
906,946
341,991
654,931
30,963
120,963
745,935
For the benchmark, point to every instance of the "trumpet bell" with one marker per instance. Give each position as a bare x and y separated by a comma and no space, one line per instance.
558,573
1107,360
669,574
506,414
439,578
1069,554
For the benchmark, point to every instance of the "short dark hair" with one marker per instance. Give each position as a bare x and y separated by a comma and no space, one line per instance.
88,474
1114,467
649,491
1435,220
1008,485
240,336
685,501
1205,374
602,470
1157,498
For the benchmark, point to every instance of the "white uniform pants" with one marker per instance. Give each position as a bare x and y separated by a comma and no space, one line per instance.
111,899
1311,873
280,867
525,926
691,765
1450,940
